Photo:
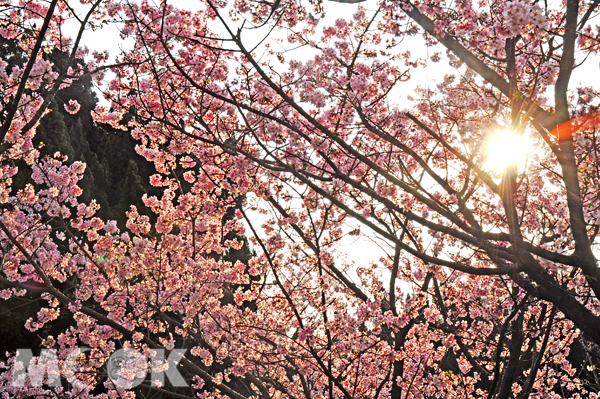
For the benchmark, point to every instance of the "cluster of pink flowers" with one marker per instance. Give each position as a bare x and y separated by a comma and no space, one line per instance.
479,267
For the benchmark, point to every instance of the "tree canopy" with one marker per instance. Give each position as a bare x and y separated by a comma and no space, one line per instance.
271,124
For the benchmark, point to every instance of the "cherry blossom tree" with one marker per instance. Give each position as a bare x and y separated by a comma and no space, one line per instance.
489,278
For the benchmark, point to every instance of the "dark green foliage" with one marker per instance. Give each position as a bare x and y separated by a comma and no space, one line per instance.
52,134
116,176
130,190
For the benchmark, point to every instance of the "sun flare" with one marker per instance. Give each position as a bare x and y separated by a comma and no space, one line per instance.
506,148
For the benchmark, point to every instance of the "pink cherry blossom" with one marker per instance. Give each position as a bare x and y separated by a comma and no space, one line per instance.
72,107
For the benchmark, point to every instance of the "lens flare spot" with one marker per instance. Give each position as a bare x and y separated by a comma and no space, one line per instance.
506,148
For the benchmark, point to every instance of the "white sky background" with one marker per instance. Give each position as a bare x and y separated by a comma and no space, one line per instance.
366,247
